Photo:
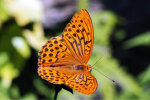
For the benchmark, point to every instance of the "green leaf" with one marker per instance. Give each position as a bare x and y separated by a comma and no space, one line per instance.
21,46
142,39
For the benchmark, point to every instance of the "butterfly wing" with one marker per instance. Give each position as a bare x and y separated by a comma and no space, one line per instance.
78,35
55,53
55,75
53,58
83,82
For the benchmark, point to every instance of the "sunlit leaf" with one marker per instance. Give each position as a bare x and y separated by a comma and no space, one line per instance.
4,58
21,46
36,37
3,13
8,73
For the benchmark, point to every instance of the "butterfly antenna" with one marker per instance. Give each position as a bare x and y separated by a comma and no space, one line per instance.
106,76
101,57
98,61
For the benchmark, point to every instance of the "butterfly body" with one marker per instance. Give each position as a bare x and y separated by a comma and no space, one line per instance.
83,67
63,59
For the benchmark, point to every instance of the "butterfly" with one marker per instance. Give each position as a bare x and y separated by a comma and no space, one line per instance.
63,59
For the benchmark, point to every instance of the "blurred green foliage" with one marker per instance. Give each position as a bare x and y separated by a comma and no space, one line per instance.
18,61
142,39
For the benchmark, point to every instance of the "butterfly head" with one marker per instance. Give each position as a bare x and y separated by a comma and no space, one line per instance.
87,67
90,68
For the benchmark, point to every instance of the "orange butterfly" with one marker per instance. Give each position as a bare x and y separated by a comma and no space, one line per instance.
63,59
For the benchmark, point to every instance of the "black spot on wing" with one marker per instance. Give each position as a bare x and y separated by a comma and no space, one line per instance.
46,49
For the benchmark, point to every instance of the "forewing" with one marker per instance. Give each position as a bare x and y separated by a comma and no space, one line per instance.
55,61
83,82
78,35
55,53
